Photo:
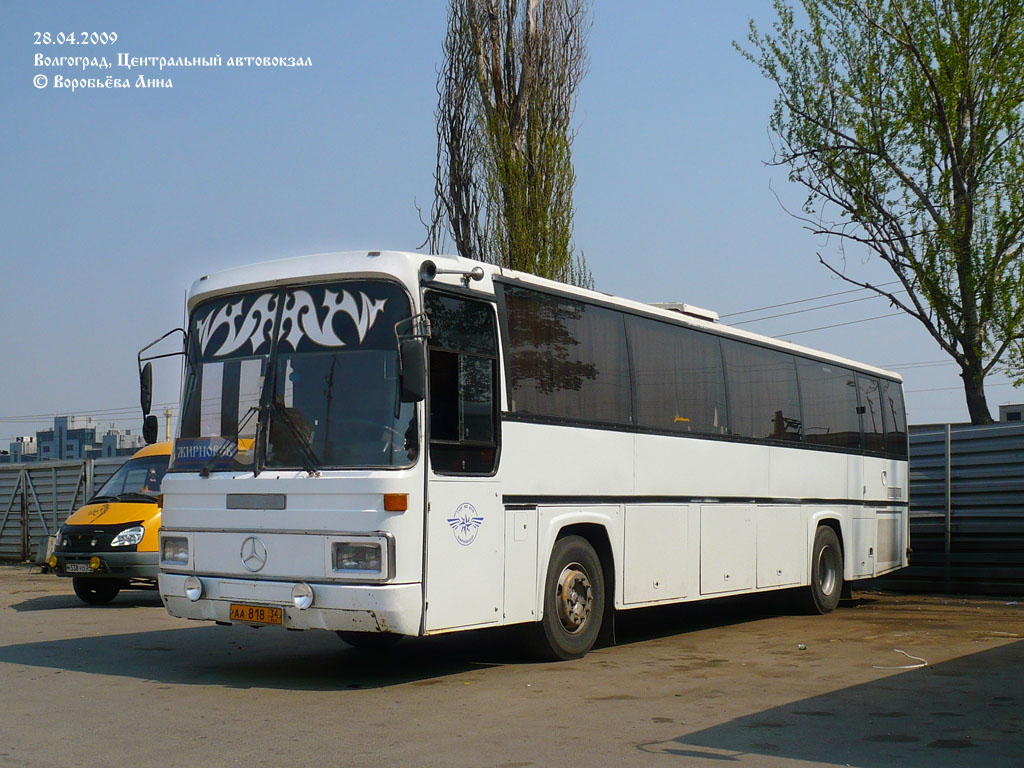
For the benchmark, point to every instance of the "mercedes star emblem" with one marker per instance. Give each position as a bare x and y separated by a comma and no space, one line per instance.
254,554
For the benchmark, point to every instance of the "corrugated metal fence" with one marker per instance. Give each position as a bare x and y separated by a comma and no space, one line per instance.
966,510
36,498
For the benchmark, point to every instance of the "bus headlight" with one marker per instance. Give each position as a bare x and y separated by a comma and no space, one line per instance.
129,537
366,556
302,595
174,550
193,588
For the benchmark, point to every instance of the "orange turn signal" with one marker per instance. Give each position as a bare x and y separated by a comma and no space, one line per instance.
396,502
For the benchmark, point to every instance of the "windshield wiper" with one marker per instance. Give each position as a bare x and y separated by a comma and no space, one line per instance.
312,462
94,499
220,452
136,496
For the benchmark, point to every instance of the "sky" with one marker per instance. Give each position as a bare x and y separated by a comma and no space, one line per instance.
113,201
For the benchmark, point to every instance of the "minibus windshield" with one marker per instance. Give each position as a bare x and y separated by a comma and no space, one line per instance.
137,478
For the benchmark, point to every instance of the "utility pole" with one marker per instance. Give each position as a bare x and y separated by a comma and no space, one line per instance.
167,423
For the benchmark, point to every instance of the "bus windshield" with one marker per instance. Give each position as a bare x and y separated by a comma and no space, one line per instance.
313,368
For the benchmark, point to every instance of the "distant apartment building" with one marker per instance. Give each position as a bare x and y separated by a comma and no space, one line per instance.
1011,412
23,448
118,443
73,437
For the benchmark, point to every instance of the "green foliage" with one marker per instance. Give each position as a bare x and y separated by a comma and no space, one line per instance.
507,90
903,119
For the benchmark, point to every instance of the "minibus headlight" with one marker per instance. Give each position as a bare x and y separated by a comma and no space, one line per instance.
358,556
193,588
174,550
129,537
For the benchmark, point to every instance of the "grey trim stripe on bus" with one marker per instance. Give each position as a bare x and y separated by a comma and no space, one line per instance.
530,501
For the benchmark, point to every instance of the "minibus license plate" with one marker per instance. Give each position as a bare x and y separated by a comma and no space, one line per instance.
77,568
256,614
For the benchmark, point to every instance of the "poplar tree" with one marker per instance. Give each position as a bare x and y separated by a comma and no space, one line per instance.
507,89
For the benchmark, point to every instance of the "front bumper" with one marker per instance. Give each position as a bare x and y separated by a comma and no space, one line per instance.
113,565
349,607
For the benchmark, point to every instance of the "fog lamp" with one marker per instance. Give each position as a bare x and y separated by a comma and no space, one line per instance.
52,562
193,588
95,563
302,595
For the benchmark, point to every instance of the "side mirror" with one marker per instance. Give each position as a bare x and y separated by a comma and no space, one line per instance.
412,355
150,429
146,388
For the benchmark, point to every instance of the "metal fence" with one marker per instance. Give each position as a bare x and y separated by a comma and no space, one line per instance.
36,498
966,507
966,511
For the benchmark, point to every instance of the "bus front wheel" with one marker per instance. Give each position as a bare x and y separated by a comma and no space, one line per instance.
574,601
822,596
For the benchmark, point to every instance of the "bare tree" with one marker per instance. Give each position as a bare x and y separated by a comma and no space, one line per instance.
459,208
506,93
903,121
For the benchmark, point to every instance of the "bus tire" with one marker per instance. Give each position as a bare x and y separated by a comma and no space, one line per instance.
822,596
574,601
95,591
370,641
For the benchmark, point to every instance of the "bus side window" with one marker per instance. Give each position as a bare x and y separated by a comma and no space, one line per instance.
894,418
463,385
872,422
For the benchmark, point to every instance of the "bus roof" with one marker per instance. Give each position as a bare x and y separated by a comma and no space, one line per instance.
406,267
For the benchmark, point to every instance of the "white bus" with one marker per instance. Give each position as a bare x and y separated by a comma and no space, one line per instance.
388,444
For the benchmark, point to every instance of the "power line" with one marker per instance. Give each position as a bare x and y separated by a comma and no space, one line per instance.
99,412
948,389
804,301
921,364
811,309
836,325
938,364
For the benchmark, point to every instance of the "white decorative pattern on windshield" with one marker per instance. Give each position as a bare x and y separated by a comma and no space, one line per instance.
303,317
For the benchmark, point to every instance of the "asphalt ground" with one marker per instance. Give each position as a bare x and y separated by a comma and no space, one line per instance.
731,682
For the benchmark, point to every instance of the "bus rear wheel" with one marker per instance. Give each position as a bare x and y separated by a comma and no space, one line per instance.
574,601
822,596
95,591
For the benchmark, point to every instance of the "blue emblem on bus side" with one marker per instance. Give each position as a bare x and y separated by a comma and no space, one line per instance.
466,524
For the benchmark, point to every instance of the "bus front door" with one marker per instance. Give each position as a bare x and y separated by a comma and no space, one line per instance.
464,569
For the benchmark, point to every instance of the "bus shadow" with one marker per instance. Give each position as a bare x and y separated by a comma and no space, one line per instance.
244,657
644,624
963,711
127,599
247,657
